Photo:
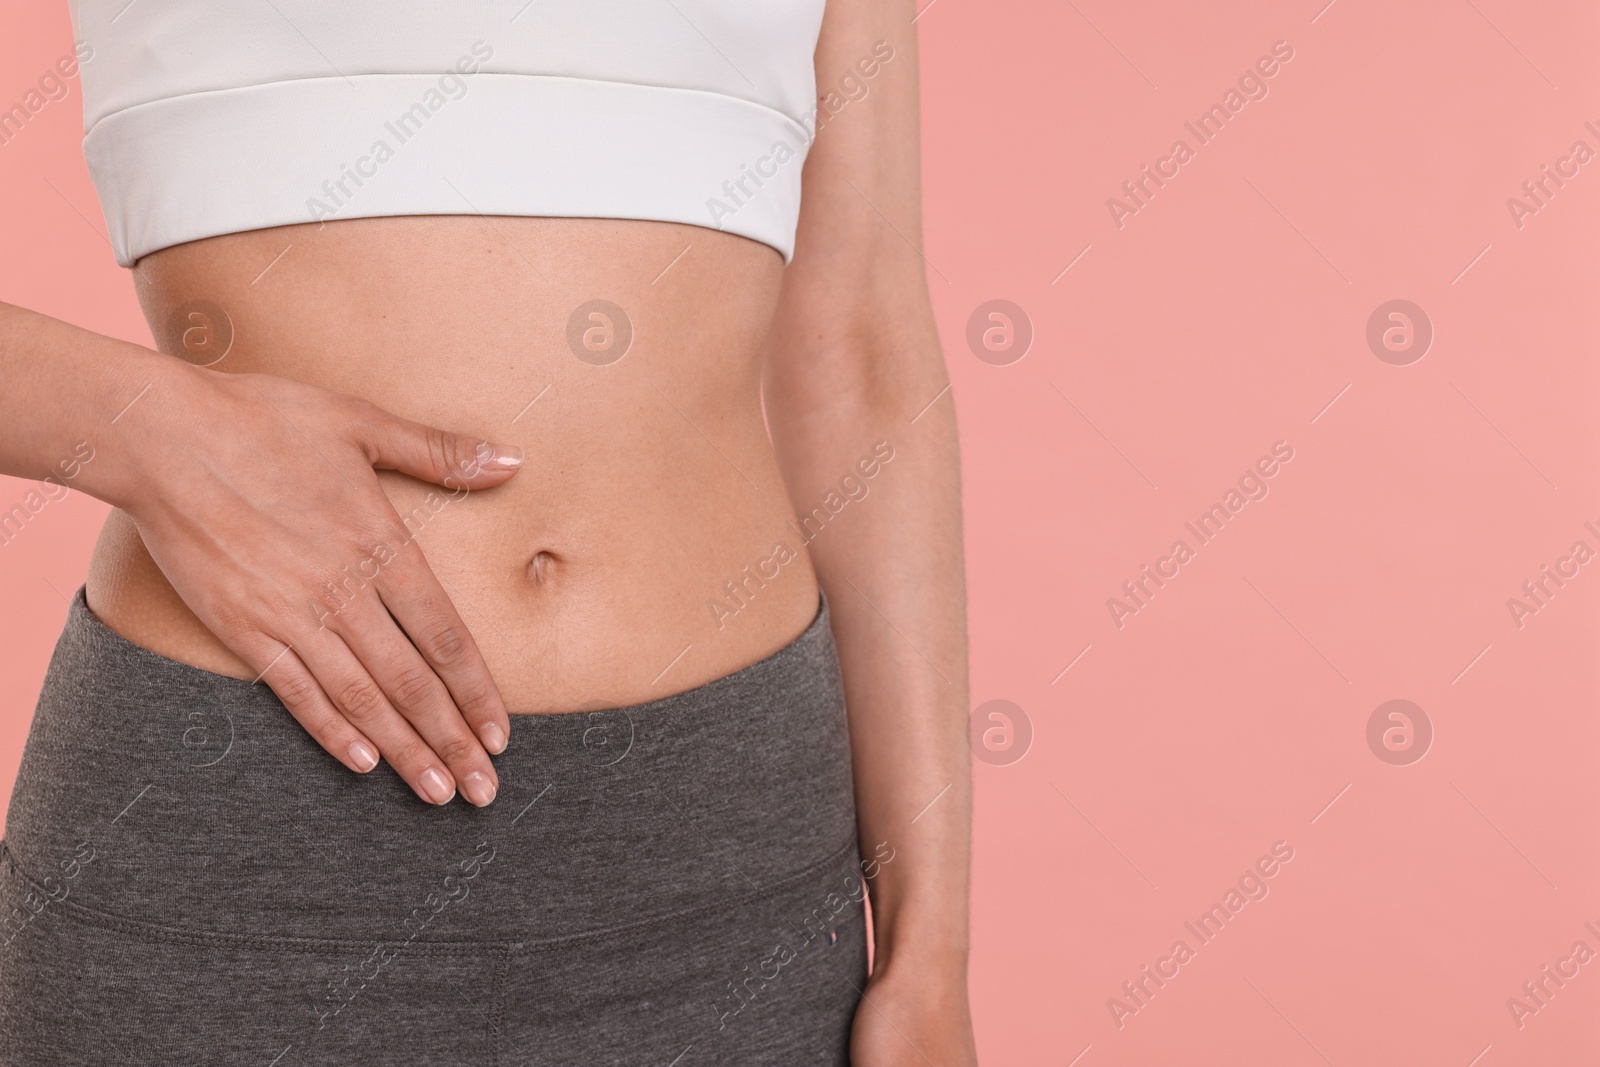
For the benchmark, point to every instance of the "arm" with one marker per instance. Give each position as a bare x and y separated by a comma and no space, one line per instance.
250,514
854,359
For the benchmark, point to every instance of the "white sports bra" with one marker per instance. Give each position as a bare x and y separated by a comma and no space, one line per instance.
204,117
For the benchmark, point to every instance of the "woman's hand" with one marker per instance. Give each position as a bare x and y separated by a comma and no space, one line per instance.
257,498
914,1017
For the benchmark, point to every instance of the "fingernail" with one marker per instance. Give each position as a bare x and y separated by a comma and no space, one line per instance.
505,458
438,790
478,788
494,738
362,756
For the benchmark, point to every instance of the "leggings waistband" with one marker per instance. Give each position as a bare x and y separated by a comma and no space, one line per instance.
160,793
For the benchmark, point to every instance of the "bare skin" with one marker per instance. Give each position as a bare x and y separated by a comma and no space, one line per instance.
586,579
299,511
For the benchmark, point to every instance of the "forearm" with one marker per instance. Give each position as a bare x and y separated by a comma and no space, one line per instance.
891,565
69,396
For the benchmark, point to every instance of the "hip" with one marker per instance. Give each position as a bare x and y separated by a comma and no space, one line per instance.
176,845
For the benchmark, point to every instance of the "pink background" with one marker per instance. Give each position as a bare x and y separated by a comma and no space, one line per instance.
1231,712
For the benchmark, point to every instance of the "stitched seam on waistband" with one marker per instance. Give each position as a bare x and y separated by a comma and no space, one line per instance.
755,894
89,916
309,946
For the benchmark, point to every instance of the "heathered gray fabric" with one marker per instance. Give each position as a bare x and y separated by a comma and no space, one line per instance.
186,878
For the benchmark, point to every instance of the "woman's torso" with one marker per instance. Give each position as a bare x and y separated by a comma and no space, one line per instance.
637,553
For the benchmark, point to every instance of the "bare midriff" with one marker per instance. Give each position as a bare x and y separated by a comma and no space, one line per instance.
647,546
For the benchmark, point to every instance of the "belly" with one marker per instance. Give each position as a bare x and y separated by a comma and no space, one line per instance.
637,553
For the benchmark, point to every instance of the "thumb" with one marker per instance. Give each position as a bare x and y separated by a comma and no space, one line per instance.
455,461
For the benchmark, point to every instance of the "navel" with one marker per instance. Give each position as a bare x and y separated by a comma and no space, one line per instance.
541,568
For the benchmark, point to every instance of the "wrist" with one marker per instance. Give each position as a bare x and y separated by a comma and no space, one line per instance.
929,949
128,425
940,978
920,913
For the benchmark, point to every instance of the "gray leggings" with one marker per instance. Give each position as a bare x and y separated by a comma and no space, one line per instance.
186,878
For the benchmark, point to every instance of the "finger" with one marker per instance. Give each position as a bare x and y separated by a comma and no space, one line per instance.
454,461
416,692
419,603
299,692
361,700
